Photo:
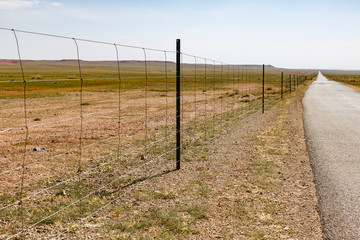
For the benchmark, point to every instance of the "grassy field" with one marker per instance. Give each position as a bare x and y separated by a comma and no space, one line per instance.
76,150
351,78
56,77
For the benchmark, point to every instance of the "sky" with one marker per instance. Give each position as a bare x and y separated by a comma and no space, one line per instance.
314,34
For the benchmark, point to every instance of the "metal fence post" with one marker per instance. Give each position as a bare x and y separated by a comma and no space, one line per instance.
263,89
294,83
290,81
282,84
297,80
178,77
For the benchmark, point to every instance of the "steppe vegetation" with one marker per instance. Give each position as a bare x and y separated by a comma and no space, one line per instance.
86,144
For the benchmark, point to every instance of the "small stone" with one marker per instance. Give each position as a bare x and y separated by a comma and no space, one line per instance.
38,149
61,193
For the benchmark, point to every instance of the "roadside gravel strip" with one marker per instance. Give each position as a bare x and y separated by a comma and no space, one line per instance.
332,129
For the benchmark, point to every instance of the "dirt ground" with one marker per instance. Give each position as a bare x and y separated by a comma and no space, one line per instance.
54,125
255,182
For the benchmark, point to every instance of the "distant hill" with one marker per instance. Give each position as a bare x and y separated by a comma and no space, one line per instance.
105,62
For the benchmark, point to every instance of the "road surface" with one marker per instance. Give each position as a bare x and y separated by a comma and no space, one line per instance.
332,129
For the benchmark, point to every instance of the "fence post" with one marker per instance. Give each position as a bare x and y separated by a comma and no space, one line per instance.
263,89
290,81
294,83
297,80
282,84
178,72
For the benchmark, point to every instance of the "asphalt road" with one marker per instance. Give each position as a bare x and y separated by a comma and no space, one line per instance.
332,130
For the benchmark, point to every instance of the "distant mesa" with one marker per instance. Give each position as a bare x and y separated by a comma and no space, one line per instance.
12,61
68,60
8,62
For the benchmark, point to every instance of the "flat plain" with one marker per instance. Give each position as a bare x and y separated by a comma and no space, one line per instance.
72,140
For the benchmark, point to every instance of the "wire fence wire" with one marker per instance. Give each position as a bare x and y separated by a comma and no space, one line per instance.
77,134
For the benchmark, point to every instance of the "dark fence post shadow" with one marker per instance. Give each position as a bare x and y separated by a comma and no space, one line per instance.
178,77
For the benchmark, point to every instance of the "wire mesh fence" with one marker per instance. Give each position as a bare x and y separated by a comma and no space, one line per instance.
82,121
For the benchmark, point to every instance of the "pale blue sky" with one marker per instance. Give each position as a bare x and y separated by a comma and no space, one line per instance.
294,34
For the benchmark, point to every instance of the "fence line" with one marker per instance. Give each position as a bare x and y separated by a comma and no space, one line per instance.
82,198
112,201
191,152
26,127
203,99
78,174
84,40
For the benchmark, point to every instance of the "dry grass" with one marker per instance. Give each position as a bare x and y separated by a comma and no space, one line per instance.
116,160
350,78
226,190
